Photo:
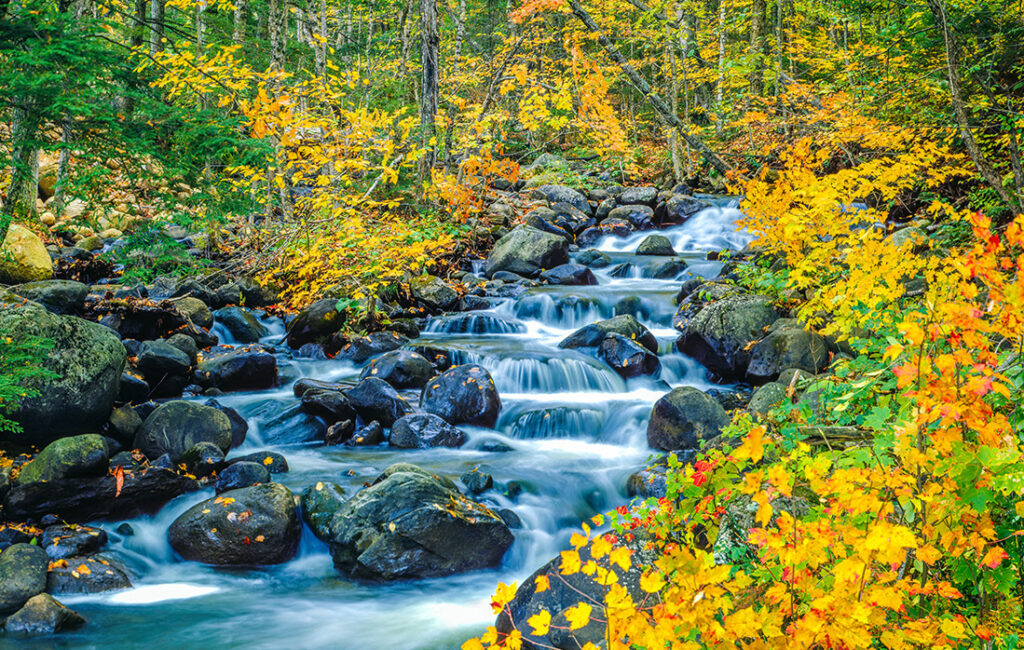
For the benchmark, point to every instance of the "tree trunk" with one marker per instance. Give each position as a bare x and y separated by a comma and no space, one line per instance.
320,46
22,190
720,86
157,13
136,38
663,112
428,96
275,13
460,35
63,166
241,11
981,161
758,25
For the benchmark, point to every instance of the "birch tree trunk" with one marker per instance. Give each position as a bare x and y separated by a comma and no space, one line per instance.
429,42
758,25
460,35
157,14
241,13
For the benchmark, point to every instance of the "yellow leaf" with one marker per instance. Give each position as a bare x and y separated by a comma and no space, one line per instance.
620,556
652,582
570,563
543,583
502,596
540,622
578,616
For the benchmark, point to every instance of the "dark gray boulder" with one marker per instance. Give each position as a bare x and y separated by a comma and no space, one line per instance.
164,367
42,615
789,346
242,475
655,245
61,541
638,195
400,368
684,418
22,576
463,395
239,426
625,325
594,258
562,194
681,207
410,524
59,296
364,348
332,405
628,358
527,251
320,502
238,370
251,526
633,217
432,292
721,333
86,359
173,428
98,575
419,430
315,323
569,274
241,323
766,397
273,461
72,457
375,399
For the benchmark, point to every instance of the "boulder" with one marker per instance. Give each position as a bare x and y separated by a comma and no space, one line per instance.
23,257
569,274
433,293
320,502
527,251
59,296
785,347
61,541
185,344
251,526
371,434
239,425
628,358
562,194
173,428
73,457
638,217
463,395
331,405
240,322
476,481
400,368
594,258
195,310
683,418
164,367
625,325
273,461
638,195
202,459
86,575
238,370
86,499
670,268
720,334
256,294
410,524
766,397
363,348
42,615
544,219
655,245
315,323
419,430
22,576
571,219
86,360
375,399
242,475
681,207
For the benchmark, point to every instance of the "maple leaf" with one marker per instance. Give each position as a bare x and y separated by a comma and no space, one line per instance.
502,596
994,557
570,563
578,616
540,622
543,583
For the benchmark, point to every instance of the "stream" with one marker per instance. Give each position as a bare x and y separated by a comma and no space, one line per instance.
570,433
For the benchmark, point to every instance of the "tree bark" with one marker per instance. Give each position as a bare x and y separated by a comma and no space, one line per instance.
662,111
157,14
136,38
720,85
758,25
981,161
460,35
241,14
22,190
429,42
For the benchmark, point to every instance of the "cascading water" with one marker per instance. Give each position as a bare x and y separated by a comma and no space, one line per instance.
570,433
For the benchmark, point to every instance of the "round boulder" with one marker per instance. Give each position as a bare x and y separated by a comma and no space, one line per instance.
59,296
173,428
242,475
22,575
419,430
463,395
42,615
73,457
251,526
375,399
400,368
527,251
655,245
238,370
242,325
23,258
628,358
683,418
320,502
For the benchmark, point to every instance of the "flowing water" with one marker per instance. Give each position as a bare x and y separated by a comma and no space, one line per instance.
570,433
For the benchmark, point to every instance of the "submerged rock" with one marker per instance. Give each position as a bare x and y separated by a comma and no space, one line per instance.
419,430
410,524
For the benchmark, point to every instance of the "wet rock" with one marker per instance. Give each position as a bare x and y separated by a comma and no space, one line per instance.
790,346
273,461
256,294
73,457
569,274
23,257
720,334
655,245
563,194
364,348
251,526
628,358
375,399
239,426
339,432
681,207
477,482
638,217
133,389
196,311
244,327
410,524
319,504
164,367
571,219
42,615
238,370
87,499
86,575
61,541
544,219
242,475
187,345
368,436
527,251
173,428
59,296
419,430
594,258
203,459
638,195
87,360
400,368
670,268
332,405
433,293
463,395
625,325
683,418
22,576
766,397
315,323
307,384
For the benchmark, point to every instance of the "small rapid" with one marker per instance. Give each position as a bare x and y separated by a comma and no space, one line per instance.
570,433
